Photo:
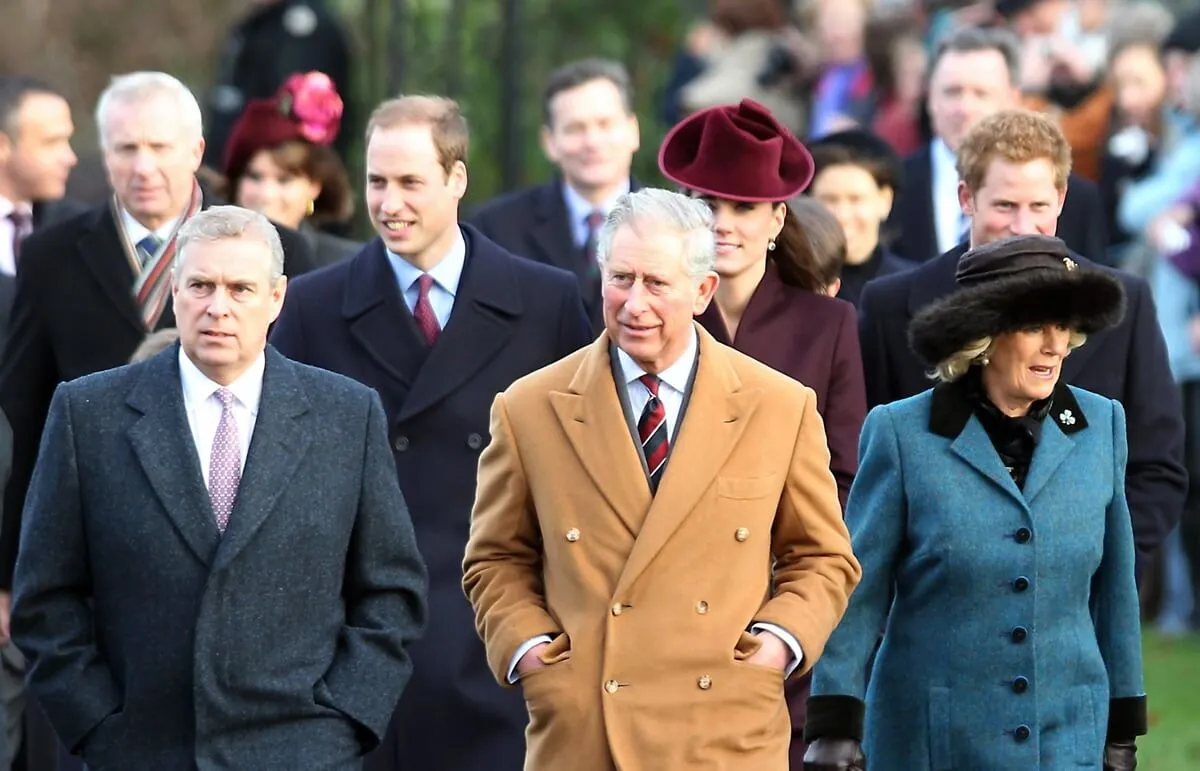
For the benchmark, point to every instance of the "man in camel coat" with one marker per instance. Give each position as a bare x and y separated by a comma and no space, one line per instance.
656,542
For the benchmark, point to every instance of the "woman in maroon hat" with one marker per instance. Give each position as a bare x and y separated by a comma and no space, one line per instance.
770,303
278,162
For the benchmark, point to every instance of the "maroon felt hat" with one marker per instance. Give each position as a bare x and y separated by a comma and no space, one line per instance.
306,108
739,152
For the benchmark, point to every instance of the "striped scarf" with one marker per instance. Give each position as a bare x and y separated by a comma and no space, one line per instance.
153,286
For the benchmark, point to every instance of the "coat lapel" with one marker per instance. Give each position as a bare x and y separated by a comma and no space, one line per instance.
551,231
378,318
591,415
717,412
487,310
105,260
1066,418
975,447
162,442
276,449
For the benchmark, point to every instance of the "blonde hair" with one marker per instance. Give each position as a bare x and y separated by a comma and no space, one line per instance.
1016,136
979,352
442,115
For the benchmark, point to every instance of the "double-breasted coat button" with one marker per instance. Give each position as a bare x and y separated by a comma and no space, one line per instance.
705,682
1020,685
1023,535
742,533
573,534
474,441
1020,584
1022,733
616,609
1019,633
401,443
611,686
702,607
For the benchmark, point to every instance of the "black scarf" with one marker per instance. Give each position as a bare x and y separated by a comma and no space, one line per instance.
1013,437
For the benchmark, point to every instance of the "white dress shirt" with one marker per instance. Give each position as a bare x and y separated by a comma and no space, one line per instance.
671,390
137,231
578,209
948,220
8,260
204,408
446,276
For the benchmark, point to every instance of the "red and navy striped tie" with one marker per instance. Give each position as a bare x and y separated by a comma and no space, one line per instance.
652,429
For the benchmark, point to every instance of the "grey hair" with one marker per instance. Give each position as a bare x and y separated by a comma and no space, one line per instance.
690,218
143,86
1142,23
979,352
972,39
226,222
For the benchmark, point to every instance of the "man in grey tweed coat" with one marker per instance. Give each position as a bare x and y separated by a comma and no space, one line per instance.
217,569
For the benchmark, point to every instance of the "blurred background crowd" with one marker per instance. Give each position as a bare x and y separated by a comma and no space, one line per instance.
1121,76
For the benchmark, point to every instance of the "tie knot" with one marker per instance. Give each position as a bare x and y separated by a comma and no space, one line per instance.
149,244
226,397
595,219
651,382
20,218
424,284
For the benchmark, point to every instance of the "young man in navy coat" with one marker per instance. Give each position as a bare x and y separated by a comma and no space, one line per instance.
1020,191
438,320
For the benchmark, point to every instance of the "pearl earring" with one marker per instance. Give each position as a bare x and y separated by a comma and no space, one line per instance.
771,245
984,361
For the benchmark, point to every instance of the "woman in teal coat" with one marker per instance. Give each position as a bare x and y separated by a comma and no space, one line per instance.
990,519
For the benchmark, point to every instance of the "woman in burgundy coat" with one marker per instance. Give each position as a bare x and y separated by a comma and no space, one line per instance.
769,303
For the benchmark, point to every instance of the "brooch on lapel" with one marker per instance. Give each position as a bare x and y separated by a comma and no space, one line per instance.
1069,263
1066,418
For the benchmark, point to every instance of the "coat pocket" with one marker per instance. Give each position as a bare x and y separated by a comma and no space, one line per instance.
939,730
1089,752
746,488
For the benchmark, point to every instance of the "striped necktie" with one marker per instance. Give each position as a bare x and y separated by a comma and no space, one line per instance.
147,248
652,430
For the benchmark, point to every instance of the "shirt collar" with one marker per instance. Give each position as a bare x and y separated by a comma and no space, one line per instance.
137,231
944,159
676,376
579,208
197,387
447,274
7,206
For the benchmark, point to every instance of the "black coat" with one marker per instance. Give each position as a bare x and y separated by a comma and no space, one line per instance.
510,317
534,223
154,641
1127,363
73,314
1081,224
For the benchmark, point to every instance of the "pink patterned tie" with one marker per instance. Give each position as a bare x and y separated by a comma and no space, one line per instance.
225,466
423,310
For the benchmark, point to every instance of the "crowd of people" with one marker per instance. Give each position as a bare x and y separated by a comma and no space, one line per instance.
864,438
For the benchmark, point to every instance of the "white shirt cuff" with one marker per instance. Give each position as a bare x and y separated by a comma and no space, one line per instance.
788,640
512,668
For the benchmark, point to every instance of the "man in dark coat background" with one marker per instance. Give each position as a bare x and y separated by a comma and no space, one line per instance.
1021,193
218,570
590,132
973,73
438,319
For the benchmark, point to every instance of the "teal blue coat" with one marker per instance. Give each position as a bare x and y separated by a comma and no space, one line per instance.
1010,618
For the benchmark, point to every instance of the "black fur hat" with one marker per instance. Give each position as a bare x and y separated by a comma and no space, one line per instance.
1016,283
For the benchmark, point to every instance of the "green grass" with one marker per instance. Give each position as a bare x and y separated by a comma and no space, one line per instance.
1172,667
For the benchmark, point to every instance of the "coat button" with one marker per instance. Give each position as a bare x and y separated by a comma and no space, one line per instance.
616,609
1019,634
1020,685
1020,584
1022,733
401,443
705,682
741,534
573,534
474,441
702,607
611,686
1023,535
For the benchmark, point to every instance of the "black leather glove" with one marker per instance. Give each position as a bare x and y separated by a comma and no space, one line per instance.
830,754
1118,756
